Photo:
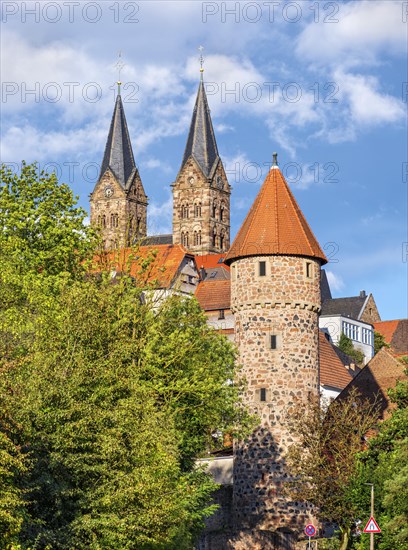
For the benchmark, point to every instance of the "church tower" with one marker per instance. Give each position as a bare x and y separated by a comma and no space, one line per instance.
201,192
275,295
118,201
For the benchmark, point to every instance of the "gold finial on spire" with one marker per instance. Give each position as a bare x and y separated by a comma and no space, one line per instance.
119,66
201,49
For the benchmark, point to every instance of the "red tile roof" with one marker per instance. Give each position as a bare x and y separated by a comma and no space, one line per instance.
395,333
333,373
165,262
211,261
376,378
213,295
275,225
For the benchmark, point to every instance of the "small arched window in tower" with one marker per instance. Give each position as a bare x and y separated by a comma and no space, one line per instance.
104,221
262,394
114,220
262,269
184,239
222,238
308,270
99,221
184,211
214,237
214,209
197,210
222,212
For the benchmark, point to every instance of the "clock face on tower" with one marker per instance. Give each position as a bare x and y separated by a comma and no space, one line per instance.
108,191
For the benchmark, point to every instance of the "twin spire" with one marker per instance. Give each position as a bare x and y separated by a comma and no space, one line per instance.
118,155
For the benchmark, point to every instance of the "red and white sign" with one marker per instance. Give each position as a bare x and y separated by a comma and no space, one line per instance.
310,530
372,526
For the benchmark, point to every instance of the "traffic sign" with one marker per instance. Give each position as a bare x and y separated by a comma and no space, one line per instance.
310,530
372,526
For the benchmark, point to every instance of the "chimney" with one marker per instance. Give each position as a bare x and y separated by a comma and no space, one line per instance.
363,294
203,273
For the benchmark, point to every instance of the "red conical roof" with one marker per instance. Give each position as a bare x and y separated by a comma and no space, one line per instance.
275,225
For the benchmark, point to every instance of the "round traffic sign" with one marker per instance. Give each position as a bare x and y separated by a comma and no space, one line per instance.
310,530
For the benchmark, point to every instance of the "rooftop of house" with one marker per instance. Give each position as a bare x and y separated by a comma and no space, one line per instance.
376,378
333,372
395,334
158,265
347,307
275,224
214,295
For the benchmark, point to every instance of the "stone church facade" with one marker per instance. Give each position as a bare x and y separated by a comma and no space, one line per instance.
274,272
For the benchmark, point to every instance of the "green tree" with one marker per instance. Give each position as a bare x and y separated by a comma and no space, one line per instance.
385,464
324,458
379,342
346,345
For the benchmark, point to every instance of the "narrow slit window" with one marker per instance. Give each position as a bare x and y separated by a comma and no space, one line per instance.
308,270
262,269
262,394
273,341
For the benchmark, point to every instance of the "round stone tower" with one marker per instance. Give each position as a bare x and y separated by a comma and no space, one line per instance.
275,296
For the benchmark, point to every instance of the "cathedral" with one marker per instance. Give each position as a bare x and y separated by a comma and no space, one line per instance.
264,292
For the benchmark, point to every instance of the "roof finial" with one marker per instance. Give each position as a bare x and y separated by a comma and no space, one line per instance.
201,49
275,160
119,66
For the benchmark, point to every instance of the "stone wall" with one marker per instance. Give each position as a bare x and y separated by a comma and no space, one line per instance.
191,190
283,304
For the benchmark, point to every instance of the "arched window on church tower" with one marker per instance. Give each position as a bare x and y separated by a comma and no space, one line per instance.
222,207
214,237
104,221
184,238
214,209
114,220
197,210
222,238
184,211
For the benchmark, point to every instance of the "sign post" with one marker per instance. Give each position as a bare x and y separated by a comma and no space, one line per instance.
310,531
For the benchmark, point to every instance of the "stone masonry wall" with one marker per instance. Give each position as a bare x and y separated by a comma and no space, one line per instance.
122,215
191,189
285,304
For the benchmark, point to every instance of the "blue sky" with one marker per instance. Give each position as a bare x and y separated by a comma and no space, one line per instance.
321,83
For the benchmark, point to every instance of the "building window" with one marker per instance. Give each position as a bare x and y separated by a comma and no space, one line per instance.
262,394
221,314
104,221
351,331
262,269
274,341
222,212
308,270
114,220
197,210
214,237
366,336
184,211
197,238
222,241
184,238
214,209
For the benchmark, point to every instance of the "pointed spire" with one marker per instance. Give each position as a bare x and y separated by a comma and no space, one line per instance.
275,225
118,151
201,143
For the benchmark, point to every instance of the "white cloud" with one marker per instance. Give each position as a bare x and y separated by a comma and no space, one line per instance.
362,30
367,105
336,283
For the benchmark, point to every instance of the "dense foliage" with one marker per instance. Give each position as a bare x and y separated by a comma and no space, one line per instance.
346,345
105,400
324,458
